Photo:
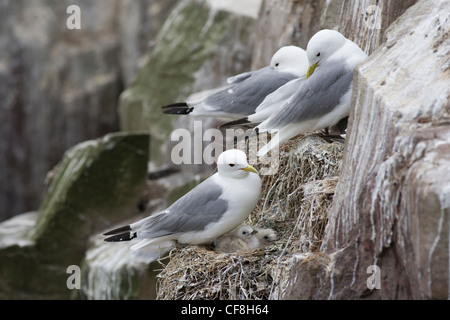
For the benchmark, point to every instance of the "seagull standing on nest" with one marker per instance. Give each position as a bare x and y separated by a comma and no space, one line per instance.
211,209
324,98
247,90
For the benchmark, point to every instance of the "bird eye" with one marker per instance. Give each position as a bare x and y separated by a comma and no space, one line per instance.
318,55
232,165
266,237
277,64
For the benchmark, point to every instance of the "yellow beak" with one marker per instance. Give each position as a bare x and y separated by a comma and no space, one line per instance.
249,168
311,70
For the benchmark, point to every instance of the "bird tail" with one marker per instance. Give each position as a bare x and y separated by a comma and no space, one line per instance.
158,243
124,233
177,108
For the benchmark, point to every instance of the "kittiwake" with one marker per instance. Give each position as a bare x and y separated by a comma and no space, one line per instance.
272,102
245,92
325,97
211,209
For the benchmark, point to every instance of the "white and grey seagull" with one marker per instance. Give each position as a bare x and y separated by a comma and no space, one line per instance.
211,209
324,98
246,91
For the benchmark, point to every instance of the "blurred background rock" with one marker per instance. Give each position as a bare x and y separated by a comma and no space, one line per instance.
59,87
63,92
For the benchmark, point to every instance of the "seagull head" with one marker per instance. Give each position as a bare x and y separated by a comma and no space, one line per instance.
233,163
321,46
290,59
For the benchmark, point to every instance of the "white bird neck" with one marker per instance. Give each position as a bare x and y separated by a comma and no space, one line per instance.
349,53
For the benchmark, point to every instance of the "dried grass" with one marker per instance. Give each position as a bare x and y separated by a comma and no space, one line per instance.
294,203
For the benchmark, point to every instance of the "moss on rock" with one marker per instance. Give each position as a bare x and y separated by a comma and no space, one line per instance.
96,184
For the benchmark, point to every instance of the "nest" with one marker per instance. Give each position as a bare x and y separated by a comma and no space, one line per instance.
294,202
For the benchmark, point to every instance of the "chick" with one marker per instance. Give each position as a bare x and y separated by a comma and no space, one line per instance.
264,237
239,239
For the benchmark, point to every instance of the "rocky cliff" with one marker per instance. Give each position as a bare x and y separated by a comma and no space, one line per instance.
96,184
367,219
391,207
60,86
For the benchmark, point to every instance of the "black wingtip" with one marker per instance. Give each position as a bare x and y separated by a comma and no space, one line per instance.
127,236
180,110
118,230
241,121
175,105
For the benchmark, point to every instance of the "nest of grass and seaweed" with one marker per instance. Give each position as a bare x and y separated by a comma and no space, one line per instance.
294,202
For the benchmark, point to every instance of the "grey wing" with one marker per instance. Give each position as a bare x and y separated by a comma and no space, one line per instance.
192,212
243,97
315,98
240,77
281,95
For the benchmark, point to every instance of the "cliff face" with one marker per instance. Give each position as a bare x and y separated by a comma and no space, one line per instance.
387,231
59,86
383,225
389,217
